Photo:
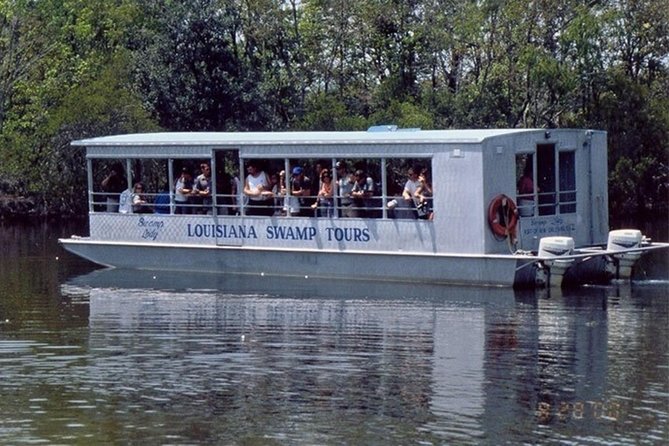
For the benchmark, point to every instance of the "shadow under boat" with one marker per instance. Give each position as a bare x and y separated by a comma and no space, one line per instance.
282,286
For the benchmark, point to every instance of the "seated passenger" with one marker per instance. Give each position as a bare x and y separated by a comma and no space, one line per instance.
125,202
139,203
424,195
325,201
161,205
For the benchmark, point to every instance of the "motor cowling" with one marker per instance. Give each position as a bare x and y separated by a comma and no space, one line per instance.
621,239
556,246
552,249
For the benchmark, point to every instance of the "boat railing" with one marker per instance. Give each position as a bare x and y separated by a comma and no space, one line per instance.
378,206
549,203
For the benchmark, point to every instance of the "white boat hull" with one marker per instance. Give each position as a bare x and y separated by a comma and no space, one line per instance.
405,267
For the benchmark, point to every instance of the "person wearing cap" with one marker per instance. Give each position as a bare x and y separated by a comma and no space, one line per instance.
300,190
259,191
344,187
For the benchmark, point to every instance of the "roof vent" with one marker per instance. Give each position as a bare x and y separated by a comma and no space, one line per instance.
391,128
382,128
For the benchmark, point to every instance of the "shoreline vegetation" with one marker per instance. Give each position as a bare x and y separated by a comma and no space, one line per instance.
75,70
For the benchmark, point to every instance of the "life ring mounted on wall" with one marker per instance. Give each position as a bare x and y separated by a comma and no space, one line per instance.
503,217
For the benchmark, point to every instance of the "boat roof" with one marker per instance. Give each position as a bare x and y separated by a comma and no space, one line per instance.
167,139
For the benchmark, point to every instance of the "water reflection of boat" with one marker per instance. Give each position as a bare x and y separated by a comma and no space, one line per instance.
354,342
294,287
455,361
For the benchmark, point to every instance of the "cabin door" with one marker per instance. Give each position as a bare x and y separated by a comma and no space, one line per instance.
546,178
227,184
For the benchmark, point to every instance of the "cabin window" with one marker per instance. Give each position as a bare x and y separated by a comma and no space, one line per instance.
338,188
334,188
567,171
554,174
152,174
409,188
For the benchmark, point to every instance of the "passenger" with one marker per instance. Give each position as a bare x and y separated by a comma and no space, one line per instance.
202,189
182,192
258,190
325,201
411,186
526,192
345,183
424,196
139,203
161,205
363,193
125,202
278,183
526,183
316,185
114,184
300,188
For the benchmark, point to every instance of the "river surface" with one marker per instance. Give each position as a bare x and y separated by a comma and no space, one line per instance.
91,356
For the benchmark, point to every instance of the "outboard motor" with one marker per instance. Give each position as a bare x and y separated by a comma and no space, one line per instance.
556,247
622,240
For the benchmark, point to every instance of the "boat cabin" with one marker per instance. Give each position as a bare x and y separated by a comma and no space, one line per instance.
557,180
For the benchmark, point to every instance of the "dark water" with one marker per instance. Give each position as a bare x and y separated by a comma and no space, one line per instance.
112,357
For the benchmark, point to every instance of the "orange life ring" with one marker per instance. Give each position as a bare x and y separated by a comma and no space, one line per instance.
503,216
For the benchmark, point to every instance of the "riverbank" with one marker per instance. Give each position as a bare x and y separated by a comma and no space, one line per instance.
17,206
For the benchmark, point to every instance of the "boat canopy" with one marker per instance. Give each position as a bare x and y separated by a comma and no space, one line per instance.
254,144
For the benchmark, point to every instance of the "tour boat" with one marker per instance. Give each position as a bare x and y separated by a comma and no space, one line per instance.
497,207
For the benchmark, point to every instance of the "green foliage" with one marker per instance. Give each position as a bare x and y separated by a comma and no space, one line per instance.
404,115
327,112
92,67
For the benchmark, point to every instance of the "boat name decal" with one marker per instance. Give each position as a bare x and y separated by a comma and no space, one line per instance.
277,232
151,228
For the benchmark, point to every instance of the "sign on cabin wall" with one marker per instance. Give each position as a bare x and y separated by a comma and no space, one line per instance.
410,235
548,226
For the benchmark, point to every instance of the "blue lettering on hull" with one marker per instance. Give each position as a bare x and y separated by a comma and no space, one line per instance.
290,233
221,231
278,232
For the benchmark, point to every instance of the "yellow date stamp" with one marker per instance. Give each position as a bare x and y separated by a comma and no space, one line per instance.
578,410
